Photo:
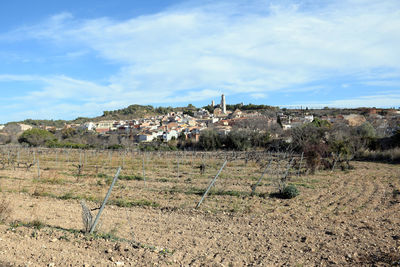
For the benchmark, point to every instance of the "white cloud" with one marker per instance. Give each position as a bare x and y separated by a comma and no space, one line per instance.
258,95
190,52
379,100
252,50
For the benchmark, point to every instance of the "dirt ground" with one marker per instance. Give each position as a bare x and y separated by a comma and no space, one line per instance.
349,218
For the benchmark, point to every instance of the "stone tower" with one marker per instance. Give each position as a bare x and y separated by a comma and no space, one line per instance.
213,103
223,104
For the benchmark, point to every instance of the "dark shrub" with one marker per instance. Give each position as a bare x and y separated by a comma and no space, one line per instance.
289,191
36,137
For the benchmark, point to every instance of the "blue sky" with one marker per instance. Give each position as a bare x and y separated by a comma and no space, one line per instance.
64,59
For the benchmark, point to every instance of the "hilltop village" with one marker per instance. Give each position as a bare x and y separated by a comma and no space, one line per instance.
189,125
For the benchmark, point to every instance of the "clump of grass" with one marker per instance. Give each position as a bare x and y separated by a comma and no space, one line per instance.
131,177
39,192
134,203
49,180
15,224
216,192
37,224
105,236
109,180
221,192
24,190
67,195
195,191
166,251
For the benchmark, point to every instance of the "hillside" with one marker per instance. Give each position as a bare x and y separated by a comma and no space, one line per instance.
130,112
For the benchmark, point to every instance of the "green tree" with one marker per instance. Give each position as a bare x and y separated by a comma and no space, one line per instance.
321,123
68,132
238,140
36,137
366,130
209,140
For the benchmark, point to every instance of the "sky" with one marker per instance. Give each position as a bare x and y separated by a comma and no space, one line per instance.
67,59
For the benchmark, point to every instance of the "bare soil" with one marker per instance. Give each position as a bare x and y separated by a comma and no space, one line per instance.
340,218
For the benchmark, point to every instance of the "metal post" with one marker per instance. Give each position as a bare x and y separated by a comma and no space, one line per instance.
211,185
253,188
105,201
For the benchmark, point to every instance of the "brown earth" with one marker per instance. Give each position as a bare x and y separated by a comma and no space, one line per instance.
340,218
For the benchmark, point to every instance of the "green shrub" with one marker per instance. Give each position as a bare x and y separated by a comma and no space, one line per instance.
57,144
289,191
115,147
36,137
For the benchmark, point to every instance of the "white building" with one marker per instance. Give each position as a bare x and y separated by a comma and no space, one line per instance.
167,136
308,118
90,126
147,137
24,127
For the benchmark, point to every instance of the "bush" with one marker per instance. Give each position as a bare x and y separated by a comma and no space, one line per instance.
307,135
289,191
36,137
115,147
209,140
314,154
57,144
238,140
341,147
68,132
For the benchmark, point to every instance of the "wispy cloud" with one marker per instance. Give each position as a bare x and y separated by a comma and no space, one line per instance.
378,100
190,52
198,46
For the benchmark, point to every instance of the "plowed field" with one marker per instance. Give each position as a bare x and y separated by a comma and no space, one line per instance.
343,218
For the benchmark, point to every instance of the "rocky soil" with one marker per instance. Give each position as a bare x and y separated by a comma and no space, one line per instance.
340,218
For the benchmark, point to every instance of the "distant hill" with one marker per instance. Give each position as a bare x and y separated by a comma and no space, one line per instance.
130,112
141,111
